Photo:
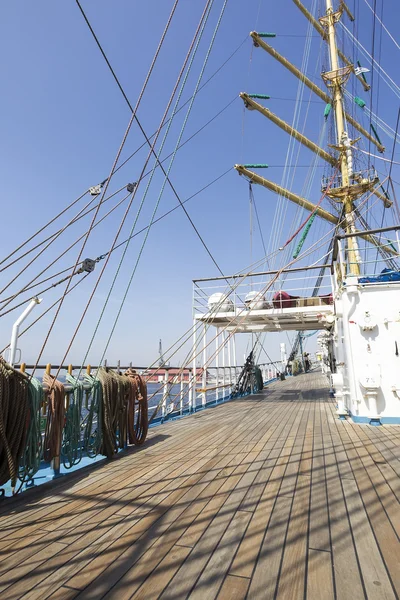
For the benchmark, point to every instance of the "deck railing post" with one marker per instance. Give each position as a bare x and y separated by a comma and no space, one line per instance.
181,395
204,373
165,394
234,358
191,383
193,407
217,366
223,364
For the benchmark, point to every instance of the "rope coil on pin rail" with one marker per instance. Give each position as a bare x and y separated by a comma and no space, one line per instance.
71,448
93,433
138,414
14,412
115,402
29,463
55,417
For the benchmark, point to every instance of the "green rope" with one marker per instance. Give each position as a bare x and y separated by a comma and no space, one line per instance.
71,447
256,166
260,96
376,134
303,237
92,437
29,463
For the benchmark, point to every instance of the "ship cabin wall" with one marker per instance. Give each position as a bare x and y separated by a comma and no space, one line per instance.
367,349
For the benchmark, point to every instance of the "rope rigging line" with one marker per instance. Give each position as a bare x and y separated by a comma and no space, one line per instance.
45,312
103,256
382,25
151,152
162,168
72,222
313,213
37,256
282,206
104,191
127,160
169,170
143,132
381,72
43,228
63,253
28,286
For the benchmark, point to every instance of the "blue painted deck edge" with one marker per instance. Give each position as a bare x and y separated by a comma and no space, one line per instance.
383,420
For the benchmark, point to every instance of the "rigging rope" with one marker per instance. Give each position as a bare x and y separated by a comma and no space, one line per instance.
104,191
170,166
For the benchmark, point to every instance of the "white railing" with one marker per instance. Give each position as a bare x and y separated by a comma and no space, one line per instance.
269,289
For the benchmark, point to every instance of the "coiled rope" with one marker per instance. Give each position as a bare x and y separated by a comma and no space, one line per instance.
71,449
138,414
13,420
55,418
115,402
93,434
29,463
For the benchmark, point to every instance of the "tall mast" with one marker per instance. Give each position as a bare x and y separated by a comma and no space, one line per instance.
336,79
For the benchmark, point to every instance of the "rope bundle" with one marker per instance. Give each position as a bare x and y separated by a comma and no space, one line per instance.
124,410
13,420
115,402
93,434
138,415
29,462
71,449
55,418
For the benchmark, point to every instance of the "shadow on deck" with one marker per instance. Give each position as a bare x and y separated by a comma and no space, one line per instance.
267,496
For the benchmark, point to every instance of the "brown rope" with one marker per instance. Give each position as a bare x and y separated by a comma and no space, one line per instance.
13,420
138,414
114,414
55,418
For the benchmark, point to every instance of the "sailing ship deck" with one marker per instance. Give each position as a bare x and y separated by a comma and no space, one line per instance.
269,496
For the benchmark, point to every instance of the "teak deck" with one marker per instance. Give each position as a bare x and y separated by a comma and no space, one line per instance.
267,497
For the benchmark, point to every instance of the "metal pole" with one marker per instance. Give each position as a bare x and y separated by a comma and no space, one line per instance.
217,365
15,329
192,405
181,395
165,394
229,363
234,356
204,375
223,362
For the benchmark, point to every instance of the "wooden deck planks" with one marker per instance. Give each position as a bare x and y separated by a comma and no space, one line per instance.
267,497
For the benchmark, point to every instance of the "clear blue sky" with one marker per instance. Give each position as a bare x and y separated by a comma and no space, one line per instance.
63,117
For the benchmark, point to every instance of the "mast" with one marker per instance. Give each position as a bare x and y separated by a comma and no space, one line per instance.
336,79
